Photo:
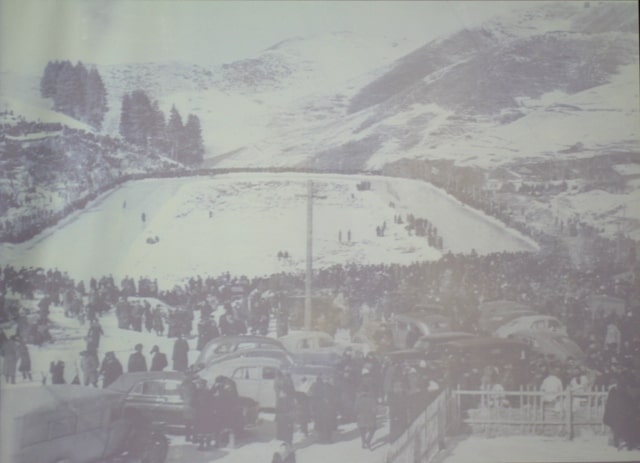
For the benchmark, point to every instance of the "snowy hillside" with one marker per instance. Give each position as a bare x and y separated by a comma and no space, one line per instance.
239,222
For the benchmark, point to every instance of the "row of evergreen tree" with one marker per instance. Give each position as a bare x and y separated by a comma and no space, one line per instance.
76,91
142,123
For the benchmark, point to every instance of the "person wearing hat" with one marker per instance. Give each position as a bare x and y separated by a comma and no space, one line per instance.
137,360
111,369
159,360
89,363
25,360
180,355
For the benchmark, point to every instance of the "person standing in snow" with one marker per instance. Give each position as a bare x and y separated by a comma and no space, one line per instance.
137,360
180,354
25,360
111,369
89,364
10,354
159,360
57,372
365,409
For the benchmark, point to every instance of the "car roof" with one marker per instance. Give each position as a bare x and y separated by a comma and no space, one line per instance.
502,305
481,341
244,338
533,318
126,381
420,317
445,335
304,335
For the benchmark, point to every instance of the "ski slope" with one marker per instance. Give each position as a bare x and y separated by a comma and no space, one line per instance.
239,222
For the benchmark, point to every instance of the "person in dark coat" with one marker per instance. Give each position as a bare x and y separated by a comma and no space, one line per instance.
398,408
204,415
365,409
180,354
159,360
93,335
10,354
619,414
25,360
188,393
89,363
57,372
227,409
137,360
111,369
148,317
284,454
323,409
285,407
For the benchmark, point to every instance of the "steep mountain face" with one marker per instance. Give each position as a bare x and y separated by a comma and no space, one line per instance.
468,86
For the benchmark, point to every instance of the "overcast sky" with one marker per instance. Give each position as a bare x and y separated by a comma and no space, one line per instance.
207,32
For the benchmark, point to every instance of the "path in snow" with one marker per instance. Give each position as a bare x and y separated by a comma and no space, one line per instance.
239,222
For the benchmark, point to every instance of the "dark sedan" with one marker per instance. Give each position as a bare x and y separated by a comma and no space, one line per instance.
158,396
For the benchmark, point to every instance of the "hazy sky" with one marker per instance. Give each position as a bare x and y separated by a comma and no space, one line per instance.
206,32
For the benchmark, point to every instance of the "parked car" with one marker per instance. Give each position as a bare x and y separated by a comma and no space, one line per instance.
545,323
269,352
477,353
490,322
425,324
157,395
69,423
255,376
223,345
315,347
426,343
558,346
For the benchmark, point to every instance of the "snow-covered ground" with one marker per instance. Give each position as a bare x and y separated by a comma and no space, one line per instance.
514,449
239,223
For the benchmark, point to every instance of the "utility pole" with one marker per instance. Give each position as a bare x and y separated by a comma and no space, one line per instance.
307,295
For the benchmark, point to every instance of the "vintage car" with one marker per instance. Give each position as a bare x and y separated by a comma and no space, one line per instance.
491,322
545,323
69,423
268,352
424,323
477,353
557,346
255,376
426,343
223,345
157,396
315,347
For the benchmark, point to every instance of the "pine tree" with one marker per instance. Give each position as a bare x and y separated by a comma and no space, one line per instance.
158,128
66,86
49,77
193,148
95,101
175,131
125,118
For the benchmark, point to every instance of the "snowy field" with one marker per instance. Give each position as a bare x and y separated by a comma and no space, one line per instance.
239,223
515,449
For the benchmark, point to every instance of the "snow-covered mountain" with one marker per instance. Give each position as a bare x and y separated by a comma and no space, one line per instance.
558,81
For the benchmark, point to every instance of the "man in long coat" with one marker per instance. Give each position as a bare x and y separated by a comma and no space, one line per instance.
159,360
137,360
25,360
111,369
180,354
365,409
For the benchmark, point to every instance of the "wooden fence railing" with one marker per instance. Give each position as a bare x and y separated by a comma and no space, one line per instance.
527,412
425,436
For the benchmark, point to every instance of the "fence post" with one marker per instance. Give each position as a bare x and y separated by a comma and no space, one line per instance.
570,413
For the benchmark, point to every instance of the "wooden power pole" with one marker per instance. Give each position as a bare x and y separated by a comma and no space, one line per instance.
307,295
